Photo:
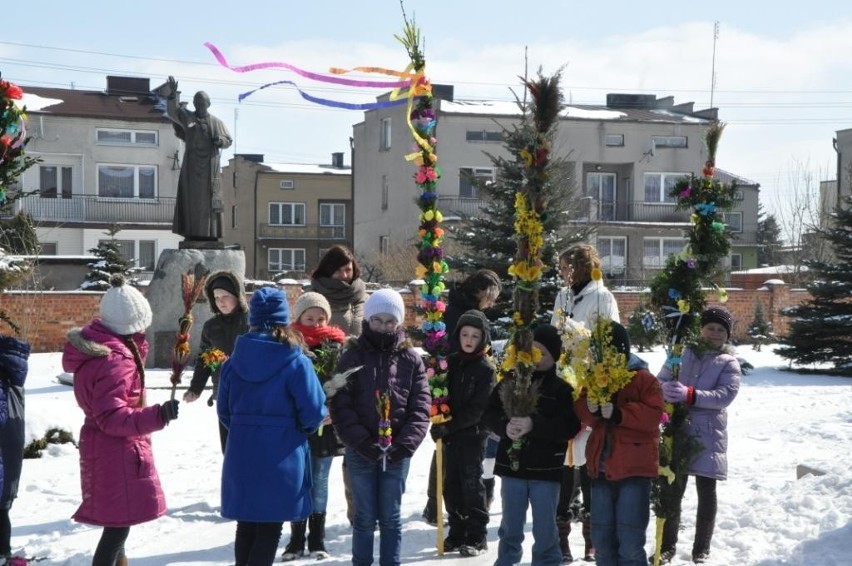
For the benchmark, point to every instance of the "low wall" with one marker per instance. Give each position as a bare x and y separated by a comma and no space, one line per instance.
45,317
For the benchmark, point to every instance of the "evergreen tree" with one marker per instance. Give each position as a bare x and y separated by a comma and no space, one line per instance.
768,237
644,329
760,330
110,261
821,327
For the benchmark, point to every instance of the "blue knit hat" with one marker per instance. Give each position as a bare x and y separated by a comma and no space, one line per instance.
269,308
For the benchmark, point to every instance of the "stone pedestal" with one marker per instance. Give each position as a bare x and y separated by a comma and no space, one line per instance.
165,294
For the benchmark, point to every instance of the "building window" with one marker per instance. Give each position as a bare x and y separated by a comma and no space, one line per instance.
614,140
48,248
127,181
287,213
384,242
385,134
127,137
613,254
739,195
736,261
601,187
669,141
287,184
55,181
333,220
659,185
234,216
734,220
484,136
655,251
147,256
471,178
285,259
385,192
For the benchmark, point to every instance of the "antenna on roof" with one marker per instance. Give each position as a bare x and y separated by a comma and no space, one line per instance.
713,68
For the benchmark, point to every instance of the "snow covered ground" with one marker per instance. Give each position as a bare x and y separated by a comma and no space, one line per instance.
766,516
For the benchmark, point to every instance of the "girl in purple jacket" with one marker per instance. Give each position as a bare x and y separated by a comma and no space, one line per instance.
119,482
708,383
381,414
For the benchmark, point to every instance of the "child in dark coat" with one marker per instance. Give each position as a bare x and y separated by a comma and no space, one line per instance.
227,299
470,379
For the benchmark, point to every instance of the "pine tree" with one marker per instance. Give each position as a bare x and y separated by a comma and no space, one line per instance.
821,327
760,330
644,329
110,261
768,237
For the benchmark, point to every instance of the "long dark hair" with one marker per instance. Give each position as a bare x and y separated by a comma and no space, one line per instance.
335,258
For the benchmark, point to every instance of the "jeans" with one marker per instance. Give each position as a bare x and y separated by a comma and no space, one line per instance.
319,492
377,495
542,496
256,543
620,515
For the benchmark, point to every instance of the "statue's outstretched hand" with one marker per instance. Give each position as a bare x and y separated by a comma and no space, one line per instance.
172,86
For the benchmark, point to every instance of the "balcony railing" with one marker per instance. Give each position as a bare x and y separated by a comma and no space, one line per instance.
594,210
302,232
460,206
89,208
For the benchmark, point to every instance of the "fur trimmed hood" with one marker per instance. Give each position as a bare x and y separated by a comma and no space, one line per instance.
236,282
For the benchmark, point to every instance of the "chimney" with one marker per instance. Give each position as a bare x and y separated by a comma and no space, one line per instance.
337,159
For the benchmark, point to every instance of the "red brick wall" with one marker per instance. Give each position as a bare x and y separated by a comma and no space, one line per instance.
45,318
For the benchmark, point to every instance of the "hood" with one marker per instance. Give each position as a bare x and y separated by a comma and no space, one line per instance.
96,341
238,285
14,356
476,319
258,356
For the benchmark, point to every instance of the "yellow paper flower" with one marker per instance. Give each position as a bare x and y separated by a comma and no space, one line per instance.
596,274
683,306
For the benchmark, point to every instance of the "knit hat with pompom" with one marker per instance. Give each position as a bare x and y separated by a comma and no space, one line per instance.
125,310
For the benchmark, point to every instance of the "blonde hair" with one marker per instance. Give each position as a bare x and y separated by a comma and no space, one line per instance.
583,258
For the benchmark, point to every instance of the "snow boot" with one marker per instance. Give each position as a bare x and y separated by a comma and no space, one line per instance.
564,531
665,556
589,552
296,547
316,536
474,548
489,493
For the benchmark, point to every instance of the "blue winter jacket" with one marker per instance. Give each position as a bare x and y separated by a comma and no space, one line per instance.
14,356
270,400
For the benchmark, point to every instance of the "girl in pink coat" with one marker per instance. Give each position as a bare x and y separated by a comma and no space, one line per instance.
119,482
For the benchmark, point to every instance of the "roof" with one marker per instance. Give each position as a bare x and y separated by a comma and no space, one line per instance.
574,112
727,177
308,169
91,104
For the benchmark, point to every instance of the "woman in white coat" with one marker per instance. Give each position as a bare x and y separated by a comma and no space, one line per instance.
583,300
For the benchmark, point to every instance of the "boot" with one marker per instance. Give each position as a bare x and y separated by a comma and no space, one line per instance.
316,536
564,531
589,552
489,493
296,547
703,535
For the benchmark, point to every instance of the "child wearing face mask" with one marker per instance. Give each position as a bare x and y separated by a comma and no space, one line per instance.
227,299
470,379
380,407
312,313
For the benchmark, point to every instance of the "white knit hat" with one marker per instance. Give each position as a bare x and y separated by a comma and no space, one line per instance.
310,300
385,301
124,310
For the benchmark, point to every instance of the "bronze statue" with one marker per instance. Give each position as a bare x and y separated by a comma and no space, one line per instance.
199,208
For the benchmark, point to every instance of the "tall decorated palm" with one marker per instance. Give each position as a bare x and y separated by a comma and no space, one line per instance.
678,292
538,126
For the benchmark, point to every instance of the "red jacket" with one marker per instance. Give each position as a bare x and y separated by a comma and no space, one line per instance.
632,436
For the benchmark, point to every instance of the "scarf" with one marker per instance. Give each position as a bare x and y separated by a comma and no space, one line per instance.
316,335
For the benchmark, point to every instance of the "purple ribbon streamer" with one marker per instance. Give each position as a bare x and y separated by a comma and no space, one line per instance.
307,74
327,102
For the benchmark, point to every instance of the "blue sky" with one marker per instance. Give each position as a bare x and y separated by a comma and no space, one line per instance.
783,80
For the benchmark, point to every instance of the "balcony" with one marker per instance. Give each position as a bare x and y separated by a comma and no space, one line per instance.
95,210
460,206
302,232
593,210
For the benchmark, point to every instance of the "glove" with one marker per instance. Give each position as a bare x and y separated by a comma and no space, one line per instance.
438,431
606,410
518,427
675,391
369,451
593,407
169,410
